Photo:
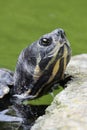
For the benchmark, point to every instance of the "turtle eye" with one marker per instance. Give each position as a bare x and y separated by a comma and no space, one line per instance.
45,41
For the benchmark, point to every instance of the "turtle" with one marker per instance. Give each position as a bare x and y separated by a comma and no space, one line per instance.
40,66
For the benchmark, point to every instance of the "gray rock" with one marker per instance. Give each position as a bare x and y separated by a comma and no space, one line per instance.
68,110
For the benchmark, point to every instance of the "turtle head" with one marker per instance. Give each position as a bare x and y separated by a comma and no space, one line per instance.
41,65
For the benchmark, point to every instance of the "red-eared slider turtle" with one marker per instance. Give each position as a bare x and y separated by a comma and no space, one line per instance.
6,81
41,65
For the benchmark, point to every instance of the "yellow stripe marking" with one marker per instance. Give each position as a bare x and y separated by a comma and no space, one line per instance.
37,73
55,70
65,58
56,67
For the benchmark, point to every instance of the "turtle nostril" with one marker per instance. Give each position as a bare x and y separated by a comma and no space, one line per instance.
61,33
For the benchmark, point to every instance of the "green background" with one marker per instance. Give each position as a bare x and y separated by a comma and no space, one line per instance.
24,21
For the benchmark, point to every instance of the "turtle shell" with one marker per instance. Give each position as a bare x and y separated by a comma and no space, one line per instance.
6,80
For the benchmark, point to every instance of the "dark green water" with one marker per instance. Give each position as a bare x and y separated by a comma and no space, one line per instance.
24,21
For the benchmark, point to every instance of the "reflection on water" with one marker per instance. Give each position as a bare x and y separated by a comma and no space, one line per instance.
17,116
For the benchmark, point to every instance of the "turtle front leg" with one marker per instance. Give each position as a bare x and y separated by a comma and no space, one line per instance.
6,81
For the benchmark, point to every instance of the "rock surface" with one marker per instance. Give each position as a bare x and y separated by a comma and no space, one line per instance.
68,111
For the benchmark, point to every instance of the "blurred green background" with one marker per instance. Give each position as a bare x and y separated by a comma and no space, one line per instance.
24,21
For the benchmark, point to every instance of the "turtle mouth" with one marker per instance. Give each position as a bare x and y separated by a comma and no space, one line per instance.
66,42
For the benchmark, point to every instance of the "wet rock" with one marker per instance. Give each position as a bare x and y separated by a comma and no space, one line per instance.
68,111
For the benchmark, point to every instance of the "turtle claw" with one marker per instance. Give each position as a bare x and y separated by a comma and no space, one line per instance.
3,90
24,97
6,80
